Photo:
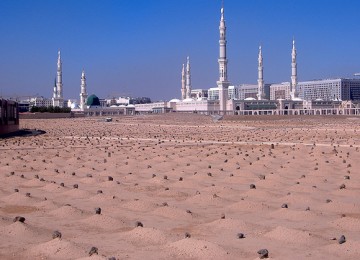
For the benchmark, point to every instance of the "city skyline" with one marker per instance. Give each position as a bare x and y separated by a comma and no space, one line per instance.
137,47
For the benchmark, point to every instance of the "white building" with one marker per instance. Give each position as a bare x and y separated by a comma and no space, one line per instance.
330,89
232,92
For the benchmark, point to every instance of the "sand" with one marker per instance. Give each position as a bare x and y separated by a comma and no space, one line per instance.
177,174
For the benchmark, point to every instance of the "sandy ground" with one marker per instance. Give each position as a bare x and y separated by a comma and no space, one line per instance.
180,174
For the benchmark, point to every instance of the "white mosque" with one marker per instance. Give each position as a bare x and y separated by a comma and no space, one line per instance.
329,96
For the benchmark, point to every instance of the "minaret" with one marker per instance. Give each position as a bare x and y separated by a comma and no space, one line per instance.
293,85
59,84
223,83
261,94
188,79
83,93
183,83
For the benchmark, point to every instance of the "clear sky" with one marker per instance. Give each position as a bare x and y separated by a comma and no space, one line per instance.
137,47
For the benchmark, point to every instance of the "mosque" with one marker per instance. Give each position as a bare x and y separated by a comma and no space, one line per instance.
318,97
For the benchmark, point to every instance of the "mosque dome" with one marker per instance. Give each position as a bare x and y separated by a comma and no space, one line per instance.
175,100
93,101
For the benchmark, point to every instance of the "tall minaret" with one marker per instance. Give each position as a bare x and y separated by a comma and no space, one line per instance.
83,93
223,83
183,83
59,84
261,94
294,81
188,79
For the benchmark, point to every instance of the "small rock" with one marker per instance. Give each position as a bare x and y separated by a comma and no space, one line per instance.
16,190
110,178
112,258
263,253
187,235
342,186
342,240
28,194
240,236
138,224
307,209
89,175
62,184
99,192
252,186
262,177
98,211
284,206
188,211
181,179
328,200
93,250
347,177
56,234
75,186
19,218
222,216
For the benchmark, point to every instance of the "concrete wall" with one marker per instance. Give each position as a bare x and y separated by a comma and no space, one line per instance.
44,115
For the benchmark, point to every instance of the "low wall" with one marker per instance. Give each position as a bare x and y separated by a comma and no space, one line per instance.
44,115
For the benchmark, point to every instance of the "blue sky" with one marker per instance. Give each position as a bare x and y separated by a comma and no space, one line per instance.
137,47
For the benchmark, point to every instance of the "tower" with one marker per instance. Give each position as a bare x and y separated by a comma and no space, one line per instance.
58,100
59,84
83,93
261,94
188,78
223,83
294,81
183,83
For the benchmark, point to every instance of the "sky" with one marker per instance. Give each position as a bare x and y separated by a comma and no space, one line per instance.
137,47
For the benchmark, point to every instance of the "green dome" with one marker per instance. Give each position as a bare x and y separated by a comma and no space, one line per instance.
93,100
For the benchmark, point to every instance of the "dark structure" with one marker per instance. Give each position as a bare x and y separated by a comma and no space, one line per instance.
93,101
9,116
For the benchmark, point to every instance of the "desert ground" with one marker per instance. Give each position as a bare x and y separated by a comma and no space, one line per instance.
182,186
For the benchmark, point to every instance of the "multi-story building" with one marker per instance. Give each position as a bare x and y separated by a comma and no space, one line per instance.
233,93
330,89
280,91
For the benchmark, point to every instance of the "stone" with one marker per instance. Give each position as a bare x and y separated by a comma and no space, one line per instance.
240,236
263,253
187,235
76,186
252,186
93,250
19,218
284,206
98,211
138,224
56,234
342,240
110,178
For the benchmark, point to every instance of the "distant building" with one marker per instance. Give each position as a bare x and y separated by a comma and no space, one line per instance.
280,91
330,89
